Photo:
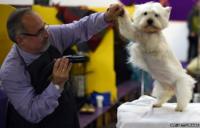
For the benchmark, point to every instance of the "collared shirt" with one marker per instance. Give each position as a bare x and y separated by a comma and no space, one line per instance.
15,79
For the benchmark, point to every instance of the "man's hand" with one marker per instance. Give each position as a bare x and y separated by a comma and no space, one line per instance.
61,70
113,12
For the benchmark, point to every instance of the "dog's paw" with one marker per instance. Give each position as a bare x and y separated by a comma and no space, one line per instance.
178,109
157,105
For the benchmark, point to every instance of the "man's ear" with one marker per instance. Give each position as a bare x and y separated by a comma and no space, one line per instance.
19,39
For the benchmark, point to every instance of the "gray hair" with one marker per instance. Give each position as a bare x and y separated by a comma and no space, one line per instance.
14,24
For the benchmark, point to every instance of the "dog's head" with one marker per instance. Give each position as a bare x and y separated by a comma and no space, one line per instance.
151,17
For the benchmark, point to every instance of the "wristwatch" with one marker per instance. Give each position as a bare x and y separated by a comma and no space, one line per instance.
57,86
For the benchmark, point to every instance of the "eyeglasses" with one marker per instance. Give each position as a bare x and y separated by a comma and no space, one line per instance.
40,32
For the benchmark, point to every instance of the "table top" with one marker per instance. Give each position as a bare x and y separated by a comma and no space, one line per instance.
141,114
85,119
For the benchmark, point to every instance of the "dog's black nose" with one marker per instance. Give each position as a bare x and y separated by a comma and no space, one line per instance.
150,21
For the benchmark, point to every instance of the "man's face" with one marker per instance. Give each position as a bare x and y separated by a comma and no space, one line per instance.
34,40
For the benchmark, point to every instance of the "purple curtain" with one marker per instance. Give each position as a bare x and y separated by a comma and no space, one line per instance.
180,8
127,2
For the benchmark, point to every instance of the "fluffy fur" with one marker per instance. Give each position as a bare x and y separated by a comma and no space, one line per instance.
151,53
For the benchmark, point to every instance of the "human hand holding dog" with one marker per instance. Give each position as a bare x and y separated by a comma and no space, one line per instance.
113,12
61,70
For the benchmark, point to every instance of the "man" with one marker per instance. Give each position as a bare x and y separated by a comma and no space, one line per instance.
37,98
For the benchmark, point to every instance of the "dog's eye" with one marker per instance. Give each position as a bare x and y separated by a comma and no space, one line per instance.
156,15
145,13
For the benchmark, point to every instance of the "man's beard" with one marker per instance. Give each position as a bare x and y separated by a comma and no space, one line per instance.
46,46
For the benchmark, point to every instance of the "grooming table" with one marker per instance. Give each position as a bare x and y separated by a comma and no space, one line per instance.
140,114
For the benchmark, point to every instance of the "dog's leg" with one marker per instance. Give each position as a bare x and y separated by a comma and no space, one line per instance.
161,93
125,27
136,57
184,91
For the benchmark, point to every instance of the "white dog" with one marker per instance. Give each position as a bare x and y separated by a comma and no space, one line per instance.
151,53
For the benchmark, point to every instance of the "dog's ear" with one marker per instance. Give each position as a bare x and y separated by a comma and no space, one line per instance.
136,7
168,11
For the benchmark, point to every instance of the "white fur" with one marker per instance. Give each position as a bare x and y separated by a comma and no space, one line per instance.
151,53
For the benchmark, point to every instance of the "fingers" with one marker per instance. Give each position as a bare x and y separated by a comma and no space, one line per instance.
62,65
69,68
115,8
113,12
56,65
120,12
61,70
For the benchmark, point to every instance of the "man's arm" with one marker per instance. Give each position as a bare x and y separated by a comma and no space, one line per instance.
62,36
17,85
29,105
79,31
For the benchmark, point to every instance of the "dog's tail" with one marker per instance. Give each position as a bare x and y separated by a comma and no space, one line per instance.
186,83
184,89
187,80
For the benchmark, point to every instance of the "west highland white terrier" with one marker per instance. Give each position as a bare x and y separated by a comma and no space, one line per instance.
150,52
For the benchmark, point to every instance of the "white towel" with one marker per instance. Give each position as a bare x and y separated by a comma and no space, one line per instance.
140,114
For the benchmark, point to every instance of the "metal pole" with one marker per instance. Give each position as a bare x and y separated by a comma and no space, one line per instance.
198,49
142,83
198,58
196,95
